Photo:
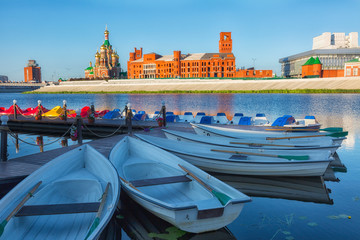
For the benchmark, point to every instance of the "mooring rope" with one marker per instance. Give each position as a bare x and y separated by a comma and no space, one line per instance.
14,136
102,136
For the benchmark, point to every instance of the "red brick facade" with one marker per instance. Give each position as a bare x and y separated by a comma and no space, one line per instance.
32,73
197,65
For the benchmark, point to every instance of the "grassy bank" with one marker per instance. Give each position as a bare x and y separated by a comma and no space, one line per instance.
303,91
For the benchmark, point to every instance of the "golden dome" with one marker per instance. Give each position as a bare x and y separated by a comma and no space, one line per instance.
97,54
103,47
106,32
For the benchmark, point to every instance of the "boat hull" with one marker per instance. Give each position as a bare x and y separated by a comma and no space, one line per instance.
187,205
78,176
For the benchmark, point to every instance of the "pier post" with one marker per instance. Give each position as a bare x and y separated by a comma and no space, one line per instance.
15,108
92,112
4,132
163,112
79,126
129,119
39,112
65,110
125,110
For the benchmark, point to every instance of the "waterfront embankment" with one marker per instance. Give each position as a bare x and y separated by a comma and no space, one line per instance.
312,85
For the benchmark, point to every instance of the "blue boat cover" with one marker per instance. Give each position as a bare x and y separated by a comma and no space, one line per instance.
309,117
112,114
220,114
172,118
156,112
206,120
200,114
238,115
260,115
281,121
245,121
188,113
141,112
169,113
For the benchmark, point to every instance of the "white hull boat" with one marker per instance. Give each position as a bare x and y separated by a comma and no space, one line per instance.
154,179
288,137
246,145
212,159
64,204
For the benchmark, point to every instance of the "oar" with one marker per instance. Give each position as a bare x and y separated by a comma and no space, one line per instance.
288,157
292,129
332,129
222,197
17,208
101,207
337,134
268,144
129,183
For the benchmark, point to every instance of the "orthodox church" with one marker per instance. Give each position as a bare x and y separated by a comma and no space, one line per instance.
106,62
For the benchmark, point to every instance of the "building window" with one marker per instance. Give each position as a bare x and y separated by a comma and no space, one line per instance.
355,71
348,72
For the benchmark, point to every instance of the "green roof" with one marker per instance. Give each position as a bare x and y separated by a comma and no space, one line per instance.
310,61
107,43
317,61
91,72
89,68
354,60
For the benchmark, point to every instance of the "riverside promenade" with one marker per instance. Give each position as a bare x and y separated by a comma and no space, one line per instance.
152,85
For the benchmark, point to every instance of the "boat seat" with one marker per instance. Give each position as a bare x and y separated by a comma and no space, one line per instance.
159,181
52,209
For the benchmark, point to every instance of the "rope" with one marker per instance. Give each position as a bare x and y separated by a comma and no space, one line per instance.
102,136
30,116
13,135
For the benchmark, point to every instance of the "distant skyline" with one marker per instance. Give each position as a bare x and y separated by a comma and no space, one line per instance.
63,36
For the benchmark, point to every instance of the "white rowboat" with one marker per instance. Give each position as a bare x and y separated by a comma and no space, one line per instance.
213,161
247,145
154,179
209,130
66,203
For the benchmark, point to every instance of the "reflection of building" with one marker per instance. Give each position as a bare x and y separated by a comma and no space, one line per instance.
352,68
106,62
32,73
192,65
333,51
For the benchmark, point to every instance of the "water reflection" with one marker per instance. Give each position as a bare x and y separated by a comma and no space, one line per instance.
306,189
141,224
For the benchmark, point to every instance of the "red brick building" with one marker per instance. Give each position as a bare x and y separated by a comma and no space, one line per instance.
106,62
32,72
352,68
191,65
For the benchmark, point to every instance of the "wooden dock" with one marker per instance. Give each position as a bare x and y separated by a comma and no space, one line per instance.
14,170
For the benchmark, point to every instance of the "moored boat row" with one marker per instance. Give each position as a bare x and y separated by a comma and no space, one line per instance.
164,184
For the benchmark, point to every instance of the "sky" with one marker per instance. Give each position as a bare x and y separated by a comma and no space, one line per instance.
63,36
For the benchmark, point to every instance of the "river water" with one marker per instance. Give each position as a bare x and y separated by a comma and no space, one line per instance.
309,208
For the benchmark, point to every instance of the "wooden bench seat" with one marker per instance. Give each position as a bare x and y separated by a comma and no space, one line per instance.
159,181
52,209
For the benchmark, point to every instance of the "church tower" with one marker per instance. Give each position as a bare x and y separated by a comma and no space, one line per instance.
106,62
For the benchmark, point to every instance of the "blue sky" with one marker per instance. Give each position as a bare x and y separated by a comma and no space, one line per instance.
63,36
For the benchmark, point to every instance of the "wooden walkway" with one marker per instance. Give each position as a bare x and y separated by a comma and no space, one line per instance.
14,170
